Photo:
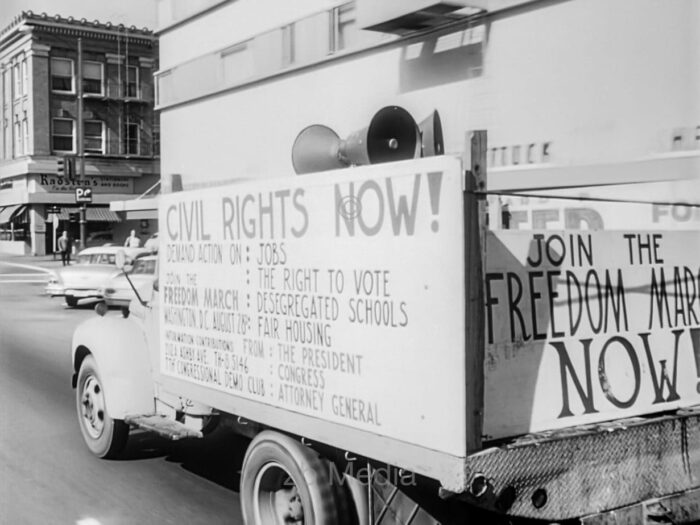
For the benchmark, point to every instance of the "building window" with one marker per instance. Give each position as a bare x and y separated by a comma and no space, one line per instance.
309,39
288,54
237,63
156,140
5,141
18,80
5,88
62,139
18,139
25,134
94,136
347,27
164,87
131,87
131,138
92,78
62,75
347,33
25,78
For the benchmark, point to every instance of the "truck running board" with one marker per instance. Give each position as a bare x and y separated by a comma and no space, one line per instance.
163,426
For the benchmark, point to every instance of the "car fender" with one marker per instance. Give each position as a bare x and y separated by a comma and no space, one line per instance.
120,349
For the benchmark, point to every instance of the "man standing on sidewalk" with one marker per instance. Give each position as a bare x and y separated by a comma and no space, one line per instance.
64,248
132,241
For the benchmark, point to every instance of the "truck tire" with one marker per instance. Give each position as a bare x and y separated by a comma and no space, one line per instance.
71,301
283,482
104,436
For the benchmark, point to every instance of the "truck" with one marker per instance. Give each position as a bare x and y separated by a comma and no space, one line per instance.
395,355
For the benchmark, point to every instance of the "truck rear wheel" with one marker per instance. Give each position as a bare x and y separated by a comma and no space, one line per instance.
283,482
104,436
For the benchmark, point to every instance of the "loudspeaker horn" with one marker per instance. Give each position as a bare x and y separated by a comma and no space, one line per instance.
391,135
431,136
316,149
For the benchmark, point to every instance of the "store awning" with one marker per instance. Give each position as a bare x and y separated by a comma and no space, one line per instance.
92,214
9,212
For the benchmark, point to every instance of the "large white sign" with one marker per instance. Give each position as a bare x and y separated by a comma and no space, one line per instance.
338,295
584,327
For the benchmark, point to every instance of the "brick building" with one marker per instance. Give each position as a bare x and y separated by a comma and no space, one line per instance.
40,148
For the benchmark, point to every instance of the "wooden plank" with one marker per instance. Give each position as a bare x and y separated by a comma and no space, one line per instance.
669,167
474,232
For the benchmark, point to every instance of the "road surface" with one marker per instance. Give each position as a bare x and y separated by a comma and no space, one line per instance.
47,474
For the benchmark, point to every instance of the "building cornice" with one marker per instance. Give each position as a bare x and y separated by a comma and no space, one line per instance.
29,21
16,43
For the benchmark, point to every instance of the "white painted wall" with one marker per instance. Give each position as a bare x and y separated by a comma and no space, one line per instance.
603,81
231,23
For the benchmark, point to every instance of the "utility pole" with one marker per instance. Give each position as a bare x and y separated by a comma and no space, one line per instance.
81,144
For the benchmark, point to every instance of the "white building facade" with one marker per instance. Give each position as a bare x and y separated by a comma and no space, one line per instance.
570,92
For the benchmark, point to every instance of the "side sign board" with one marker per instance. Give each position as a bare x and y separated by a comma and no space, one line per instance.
589,326
609,208
65,184
338,295
83,194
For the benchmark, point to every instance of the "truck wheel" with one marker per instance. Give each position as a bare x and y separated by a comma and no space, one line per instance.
71,301
283,482
104,436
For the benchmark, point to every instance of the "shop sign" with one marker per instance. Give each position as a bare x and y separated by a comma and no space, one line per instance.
62,184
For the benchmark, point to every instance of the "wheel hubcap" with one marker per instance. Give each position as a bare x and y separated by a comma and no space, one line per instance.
276,498
93,407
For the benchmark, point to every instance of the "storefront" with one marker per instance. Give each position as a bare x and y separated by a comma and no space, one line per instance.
37,208
14,229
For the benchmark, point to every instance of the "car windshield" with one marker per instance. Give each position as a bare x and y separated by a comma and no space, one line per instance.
96,258
144,266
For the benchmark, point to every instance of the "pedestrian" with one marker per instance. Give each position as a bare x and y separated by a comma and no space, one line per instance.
64,248
132,241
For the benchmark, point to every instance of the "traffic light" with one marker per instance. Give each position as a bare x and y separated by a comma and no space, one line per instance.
64,166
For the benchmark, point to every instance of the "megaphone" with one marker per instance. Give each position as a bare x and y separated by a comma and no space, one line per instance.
315,149
431,136
391,135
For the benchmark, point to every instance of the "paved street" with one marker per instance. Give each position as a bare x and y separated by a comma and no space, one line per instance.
47,474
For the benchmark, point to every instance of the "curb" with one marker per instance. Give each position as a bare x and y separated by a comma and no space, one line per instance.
27,266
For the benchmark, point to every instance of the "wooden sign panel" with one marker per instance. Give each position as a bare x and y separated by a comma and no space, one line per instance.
337,295
583,327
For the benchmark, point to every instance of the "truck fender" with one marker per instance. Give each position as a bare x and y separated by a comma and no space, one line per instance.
120,349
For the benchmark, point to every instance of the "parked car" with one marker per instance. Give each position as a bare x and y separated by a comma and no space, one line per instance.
103,238
152,243
92,268
118,292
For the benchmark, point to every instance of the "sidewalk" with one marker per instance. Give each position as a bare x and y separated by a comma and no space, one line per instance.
48,262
